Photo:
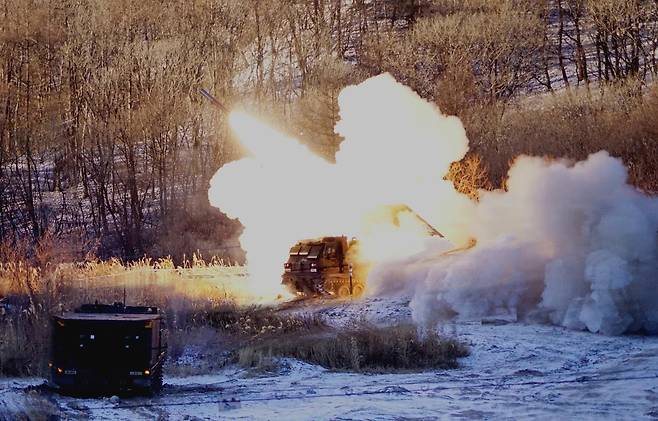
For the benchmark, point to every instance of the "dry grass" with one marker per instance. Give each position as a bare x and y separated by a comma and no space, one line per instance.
257,322
200,314
618,118
201,317
256,337
361,348
213,336
40,282
196,298
24,344
197,350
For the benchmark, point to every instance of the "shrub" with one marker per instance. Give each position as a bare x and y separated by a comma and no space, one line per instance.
362,348
255,321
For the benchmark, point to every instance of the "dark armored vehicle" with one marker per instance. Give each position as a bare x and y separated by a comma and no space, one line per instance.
328,266
101,347
322,267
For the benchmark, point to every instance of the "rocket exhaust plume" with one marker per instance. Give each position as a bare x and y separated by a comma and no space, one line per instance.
283,192
568,243
572,244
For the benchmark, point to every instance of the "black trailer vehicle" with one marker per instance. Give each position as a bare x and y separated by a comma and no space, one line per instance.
107,348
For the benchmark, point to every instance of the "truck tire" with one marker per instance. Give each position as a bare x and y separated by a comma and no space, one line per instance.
344,291
357,290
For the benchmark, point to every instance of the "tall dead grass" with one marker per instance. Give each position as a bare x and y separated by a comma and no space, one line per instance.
361,348
217,333
37,282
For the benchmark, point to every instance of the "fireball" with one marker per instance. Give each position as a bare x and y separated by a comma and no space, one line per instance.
396,150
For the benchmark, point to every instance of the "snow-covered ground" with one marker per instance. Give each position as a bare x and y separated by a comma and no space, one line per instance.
515,371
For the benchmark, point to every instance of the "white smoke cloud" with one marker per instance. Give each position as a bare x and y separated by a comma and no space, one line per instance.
573,243
283,193
569,243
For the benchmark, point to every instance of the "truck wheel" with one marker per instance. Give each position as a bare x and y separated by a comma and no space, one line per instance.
344,291
357,290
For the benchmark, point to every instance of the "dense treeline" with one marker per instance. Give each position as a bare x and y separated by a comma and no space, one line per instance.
103,134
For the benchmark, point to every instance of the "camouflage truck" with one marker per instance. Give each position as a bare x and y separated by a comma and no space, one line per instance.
328,266
322,267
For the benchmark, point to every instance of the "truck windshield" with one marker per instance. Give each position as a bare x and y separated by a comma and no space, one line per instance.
316,251
295,250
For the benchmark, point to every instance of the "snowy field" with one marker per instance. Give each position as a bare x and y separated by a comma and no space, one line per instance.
515,371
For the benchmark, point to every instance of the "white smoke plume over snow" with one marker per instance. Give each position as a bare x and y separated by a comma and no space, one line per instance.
570,243
573,243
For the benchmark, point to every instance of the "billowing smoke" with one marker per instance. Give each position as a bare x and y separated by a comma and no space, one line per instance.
396,149
569,243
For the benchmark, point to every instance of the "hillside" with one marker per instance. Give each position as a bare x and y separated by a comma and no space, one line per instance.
105,140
